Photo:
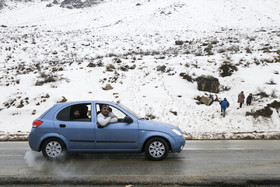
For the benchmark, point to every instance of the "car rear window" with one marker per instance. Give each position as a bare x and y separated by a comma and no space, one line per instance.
68,113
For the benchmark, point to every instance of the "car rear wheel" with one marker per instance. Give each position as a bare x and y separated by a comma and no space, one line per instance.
156,149
54,149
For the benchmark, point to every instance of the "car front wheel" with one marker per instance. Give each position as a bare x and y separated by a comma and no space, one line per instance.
54,149
156,149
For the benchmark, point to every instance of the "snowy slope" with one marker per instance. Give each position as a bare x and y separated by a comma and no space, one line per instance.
72,48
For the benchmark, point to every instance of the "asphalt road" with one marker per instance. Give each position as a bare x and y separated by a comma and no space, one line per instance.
200,163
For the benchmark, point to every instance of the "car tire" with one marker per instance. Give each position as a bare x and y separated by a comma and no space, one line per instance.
156,149
54,149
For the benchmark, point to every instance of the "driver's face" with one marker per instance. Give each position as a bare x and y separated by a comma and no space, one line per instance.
105,111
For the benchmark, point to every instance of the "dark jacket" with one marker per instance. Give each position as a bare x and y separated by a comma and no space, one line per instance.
249,99
224,104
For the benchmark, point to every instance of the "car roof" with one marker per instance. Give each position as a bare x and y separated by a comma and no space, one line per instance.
90,101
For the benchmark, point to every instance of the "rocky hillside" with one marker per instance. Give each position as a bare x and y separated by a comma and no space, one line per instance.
148,56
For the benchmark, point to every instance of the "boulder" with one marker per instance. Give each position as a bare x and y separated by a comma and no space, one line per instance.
107,87
110,67
161,68
179,42
208,83
91,65
206,100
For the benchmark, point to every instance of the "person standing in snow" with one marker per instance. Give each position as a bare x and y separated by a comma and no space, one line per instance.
105,116
241,98
224,104
249,99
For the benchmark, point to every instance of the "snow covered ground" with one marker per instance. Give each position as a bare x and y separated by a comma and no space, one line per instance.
48,54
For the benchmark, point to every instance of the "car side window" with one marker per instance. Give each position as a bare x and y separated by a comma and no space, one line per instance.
64,115
120,115
79,112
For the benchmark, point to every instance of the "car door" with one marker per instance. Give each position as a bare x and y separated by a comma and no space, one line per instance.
117,136
79,132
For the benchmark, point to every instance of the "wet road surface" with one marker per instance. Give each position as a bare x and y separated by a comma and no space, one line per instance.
200,163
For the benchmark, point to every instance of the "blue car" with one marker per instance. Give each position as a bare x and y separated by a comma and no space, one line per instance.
59,131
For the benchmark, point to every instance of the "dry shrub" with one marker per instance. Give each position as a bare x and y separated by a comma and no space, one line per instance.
227,69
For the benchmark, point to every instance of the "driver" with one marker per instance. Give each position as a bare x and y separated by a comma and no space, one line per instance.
105,116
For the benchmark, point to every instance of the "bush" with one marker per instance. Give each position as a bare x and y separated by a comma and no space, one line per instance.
271,82
78,3
186,77
227,69
208,50
273,94
234,49
46,78
262,93
150,116
9,103
266,111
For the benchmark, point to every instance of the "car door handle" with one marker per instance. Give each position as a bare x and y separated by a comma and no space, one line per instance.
62,125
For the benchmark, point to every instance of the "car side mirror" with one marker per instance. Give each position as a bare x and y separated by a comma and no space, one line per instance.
127,119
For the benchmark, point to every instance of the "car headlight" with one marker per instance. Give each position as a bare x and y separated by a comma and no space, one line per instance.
177,132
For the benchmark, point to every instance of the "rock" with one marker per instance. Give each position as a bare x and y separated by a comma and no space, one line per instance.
34,112
206,100
110,67
161,68
124,68
91,65
179,42
21,104
208,83
63,100
117,60
108,87
174,112
132,67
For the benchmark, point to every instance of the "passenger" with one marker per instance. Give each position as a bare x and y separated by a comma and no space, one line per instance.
76,114
105,116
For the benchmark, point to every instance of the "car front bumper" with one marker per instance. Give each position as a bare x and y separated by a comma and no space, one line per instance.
179,144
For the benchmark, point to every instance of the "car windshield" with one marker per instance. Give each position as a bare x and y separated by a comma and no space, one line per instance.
130,111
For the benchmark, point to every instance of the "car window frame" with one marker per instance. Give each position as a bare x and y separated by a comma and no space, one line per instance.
110,105
71,105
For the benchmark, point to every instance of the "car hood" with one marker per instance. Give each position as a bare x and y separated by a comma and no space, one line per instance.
155,125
